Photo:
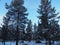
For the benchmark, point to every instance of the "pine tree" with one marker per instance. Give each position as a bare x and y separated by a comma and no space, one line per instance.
54,26
47,14
18,17
35,31
39,33
5,29
29,30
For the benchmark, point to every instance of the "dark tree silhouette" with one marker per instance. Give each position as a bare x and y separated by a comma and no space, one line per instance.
34,31
18,18
39,33
5,29
29,30
47,14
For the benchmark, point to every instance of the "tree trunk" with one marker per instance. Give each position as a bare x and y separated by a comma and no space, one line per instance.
49,42
4,42
17,39
16,42
46,42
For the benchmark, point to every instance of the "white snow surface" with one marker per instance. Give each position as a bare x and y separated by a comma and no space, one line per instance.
28,43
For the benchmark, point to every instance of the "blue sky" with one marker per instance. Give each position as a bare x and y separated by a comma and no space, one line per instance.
32,7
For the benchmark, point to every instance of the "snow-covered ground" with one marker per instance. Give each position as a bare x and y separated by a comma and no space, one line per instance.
29,43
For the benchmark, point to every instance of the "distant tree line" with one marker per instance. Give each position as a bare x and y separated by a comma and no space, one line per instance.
16,26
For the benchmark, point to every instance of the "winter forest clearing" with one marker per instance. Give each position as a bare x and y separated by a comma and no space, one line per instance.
17,29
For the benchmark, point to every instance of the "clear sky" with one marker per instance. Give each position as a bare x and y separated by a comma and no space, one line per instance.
32,7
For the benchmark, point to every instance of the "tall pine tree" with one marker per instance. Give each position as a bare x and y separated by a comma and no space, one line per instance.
47,14
29,31
5,29
18,17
